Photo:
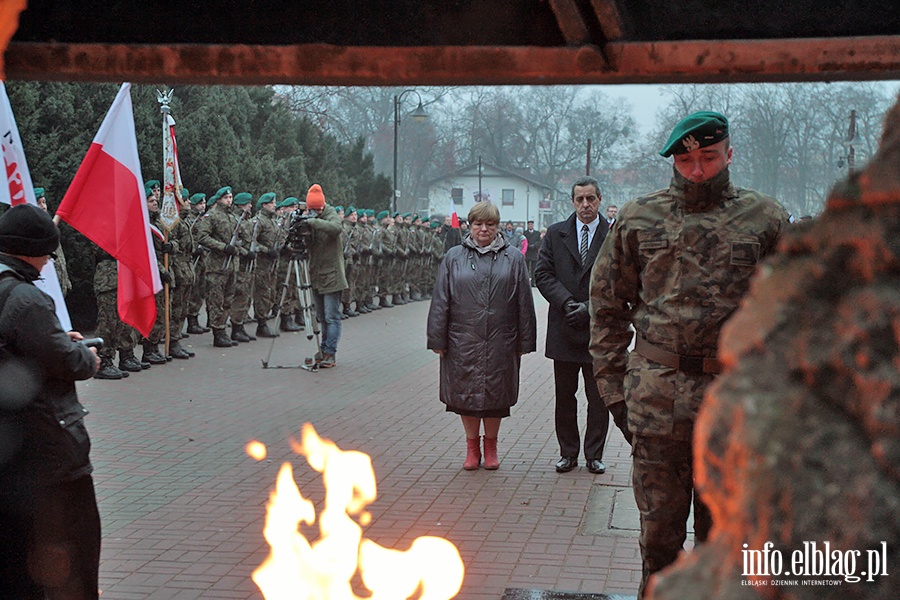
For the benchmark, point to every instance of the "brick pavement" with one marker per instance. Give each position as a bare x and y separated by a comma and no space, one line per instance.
183,506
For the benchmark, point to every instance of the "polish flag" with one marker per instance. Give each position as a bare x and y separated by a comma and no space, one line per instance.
453,214
106,203
19,190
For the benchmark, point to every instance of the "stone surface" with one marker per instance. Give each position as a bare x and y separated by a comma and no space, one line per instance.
799,440
517,594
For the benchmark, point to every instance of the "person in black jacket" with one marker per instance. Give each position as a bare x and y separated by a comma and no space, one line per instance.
534,246
563,276
49,523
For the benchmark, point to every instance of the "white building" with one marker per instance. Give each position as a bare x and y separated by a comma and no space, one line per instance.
519,198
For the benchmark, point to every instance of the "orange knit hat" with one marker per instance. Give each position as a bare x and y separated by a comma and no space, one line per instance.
315,198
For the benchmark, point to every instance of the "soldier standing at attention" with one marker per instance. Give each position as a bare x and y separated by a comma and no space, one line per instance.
243,278
675,265
181,264
198,290
385,242
265,287
350,240
215,232
59,260
291,302
157,334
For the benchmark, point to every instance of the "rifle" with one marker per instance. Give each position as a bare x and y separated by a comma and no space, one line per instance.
278,242
234,235
201,250
253,245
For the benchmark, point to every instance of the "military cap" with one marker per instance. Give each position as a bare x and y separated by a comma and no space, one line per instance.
211,201
197,198
406,214
397,214
434,224
697,130
153,183
265,199
148,191
426,220
351,209
38,193
185,193
289,201
383,214
242,198
415,217
222,192
338,208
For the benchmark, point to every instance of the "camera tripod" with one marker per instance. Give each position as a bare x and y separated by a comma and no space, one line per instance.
298,271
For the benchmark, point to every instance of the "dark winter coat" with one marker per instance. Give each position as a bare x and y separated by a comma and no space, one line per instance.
44,439
561,277
482,315
326,256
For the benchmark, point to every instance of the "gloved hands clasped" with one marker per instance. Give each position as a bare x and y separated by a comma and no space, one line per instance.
577,314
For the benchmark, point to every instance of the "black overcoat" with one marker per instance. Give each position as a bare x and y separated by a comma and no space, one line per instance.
560,277
482,315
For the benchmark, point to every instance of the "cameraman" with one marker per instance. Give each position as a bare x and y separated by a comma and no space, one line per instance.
49,523
326,271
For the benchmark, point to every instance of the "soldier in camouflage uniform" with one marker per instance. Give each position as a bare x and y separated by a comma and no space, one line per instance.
243,277
183,269
350,240
401,257
215,232
198,290
437,253
363,283
59,262
385,242
265,288
674,266
117,336
150,345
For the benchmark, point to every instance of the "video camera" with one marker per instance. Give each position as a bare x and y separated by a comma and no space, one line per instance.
299,237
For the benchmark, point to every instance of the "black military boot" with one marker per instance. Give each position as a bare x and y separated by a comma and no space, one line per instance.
238,334
397,299
248,334
384,302
298,319
220,339
416,296
370,304
127,362
152,355
288,323
262,329
193,325
108,371
177,351
351,312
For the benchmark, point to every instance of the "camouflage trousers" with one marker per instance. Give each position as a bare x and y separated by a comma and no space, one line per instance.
158,333
348,295
180,298
197,291
663,482
243,295
265,289
219,296
116,334
364,278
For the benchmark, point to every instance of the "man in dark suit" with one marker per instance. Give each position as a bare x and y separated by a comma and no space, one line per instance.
534,245
563,275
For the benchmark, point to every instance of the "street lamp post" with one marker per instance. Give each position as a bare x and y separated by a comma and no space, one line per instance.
418,115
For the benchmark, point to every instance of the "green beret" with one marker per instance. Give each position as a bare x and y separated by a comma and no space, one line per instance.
211,201
416,217
406,214
434,224
426,220
397,214
265,199
289,201
197,198
351,209
383,214
698,130
151,184
148,192
222,192
242,198
38,193
185,193
338,208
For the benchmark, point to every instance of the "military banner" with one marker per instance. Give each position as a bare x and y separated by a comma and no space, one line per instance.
171,193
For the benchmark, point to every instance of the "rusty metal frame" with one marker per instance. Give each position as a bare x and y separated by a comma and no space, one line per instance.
705,61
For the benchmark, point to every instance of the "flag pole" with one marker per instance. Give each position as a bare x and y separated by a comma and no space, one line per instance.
164,98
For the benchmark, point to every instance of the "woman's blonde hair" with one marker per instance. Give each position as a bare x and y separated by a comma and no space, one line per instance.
486,212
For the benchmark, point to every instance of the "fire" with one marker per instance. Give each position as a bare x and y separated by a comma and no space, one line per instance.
298,569
256,450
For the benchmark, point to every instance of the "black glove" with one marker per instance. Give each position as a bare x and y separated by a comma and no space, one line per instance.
198,252
167,247
577,314
165,276
251,255
231,249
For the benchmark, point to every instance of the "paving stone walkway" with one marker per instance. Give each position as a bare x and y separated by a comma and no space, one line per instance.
183,506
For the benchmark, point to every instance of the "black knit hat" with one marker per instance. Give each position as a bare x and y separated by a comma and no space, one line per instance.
26,230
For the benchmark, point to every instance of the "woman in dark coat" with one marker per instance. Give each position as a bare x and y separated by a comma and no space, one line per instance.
481,322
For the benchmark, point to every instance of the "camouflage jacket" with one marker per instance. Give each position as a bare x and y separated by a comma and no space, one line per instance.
349,239
214,232
401,244
365,242
266,239
675,271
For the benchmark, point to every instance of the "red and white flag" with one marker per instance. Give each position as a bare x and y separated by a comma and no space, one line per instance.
453,214
19,190
106,203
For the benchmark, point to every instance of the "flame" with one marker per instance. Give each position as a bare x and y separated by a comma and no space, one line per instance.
299,570
256,450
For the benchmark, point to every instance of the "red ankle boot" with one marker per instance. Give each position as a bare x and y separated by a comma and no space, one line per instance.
490,454
473,453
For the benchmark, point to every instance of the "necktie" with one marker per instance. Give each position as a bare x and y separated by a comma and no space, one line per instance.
584,244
